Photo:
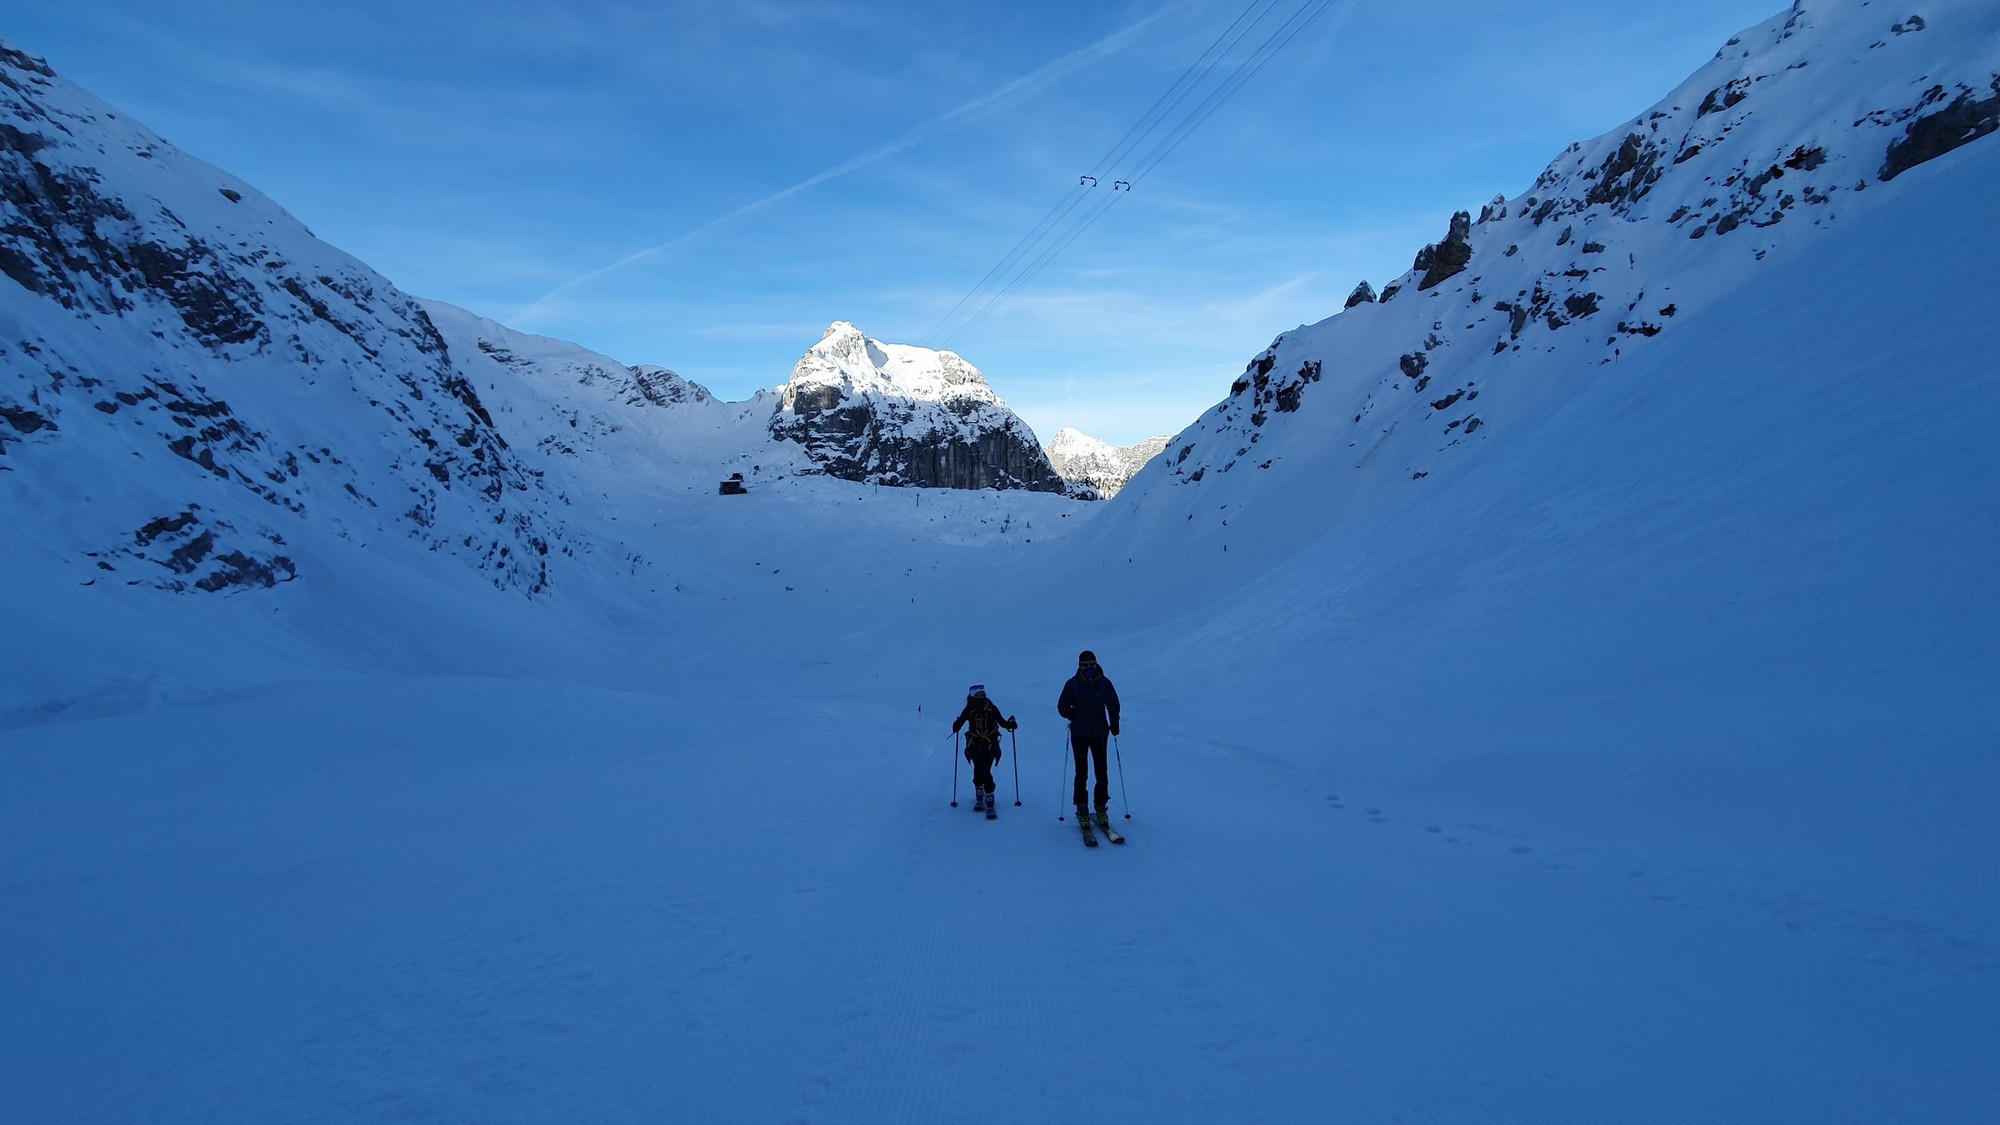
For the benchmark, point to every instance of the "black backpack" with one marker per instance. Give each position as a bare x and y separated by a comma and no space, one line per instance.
984,723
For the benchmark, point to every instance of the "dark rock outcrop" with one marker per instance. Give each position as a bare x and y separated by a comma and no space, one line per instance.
1930,136
1449,258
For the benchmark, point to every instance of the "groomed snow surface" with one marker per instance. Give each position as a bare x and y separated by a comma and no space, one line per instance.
1638,768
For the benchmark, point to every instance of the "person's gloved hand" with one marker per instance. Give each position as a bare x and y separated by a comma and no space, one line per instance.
1114,730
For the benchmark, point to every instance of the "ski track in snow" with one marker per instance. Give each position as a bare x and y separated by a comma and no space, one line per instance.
511,897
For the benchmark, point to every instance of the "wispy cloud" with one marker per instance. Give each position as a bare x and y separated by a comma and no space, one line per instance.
800,331
1260,307
935,127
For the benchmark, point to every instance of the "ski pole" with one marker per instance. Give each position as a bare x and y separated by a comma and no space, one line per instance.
1121,778
1060,802
954,769
1016,744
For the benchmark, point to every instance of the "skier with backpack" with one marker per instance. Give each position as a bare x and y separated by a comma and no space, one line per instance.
1090,704
983,723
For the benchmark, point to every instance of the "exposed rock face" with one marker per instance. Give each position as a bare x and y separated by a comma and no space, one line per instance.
1968,118
1364,294
1085,460
1449,258
198,382
664,387
895,414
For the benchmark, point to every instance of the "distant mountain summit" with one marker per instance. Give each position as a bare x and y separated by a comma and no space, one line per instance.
1082,459
897,414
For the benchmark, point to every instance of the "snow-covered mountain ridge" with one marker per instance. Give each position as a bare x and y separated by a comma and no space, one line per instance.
900,414
194,384
1103,466
201,396
1763,150
561,398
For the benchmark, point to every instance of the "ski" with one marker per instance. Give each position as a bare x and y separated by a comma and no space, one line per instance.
1104,826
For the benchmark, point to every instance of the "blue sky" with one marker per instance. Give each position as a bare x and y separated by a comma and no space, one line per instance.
707,186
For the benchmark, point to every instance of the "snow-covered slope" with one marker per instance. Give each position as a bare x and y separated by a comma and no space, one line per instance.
1082,459
1722,582
1796,126
898,414
592,419
199,395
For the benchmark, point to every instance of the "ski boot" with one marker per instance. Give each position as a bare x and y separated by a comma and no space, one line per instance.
978,800
992,806
1104,826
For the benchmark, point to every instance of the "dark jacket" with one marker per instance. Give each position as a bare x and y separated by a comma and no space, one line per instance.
1090,705
986,722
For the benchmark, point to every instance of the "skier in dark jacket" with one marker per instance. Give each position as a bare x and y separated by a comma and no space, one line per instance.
1090,704
984,723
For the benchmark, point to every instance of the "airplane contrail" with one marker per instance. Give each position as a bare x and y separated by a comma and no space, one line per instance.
936,126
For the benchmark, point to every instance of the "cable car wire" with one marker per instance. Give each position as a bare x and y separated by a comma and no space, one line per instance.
1007,278
1064,206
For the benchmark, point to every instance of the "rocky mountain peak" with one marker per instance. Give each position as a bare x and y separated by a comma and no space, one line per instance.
842,348
847,359
898,414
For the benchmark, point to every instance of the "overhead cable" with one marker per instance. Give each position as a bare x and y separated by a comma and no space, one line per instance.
1065,223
